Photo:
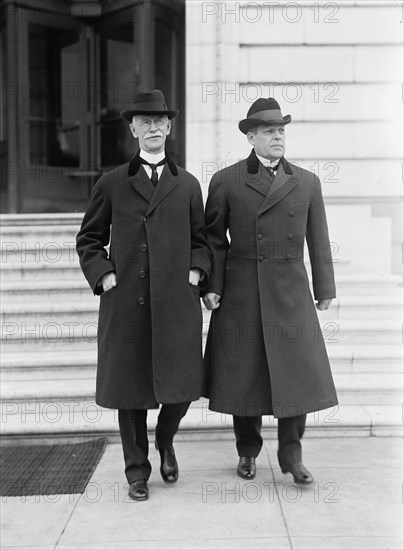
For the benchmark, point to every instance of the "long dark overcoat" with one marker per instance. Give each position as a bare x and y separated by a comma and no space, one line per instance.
265,353
149,331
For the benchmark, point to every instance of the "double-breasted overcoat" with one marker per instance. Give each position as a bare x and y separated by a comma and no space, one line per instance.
149,330
265,353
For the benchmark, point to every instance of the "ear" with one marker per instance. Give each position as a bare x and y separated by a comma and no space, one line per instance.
250,137
168,126
133,131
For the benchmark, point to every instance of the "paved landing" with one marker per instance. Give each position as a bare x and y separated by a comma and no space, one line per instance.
356,503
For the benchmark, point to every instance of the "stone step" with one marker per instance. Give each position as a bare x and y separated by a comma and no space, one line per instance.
39,271
46,253
61,264
50,339
66,365
38,256
41,240
63,366
68,329
367,307
367,284
75,359
38,420
31,220
80,415
66,278
37,234
359,331
51,312
73,290
51,254
21,384
369,388
24,226
366,358
56,310
65,331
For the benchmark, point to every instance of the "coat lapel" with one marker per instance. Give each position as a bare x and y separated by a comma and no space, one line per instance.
139,180
285,180
259,181
141,183
257,176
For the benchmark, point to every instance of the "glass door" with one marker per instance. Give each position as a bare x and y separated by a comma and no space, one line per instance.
5,167
61,128
118,69
53,107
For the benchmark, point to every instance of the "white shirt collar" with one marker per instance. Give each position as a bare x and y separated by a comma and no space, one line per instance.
267,162
153,159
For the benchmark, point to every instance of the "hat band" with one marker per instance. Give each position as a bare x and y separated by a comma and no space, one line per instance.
269,115
151,106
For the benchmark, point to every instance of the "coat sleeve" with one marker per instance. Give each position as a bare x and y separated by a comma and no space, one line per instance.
200,253
94,235
318,243
217,223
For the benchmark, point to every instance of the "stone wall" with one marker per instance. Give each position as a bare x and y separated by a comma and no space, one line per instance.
336,67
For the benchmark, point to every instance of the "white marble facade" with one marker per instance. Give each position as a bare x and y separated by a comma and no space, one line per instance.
336,67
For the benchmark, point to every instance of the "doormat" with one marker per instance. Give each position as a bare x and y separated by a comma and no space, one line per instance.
27,470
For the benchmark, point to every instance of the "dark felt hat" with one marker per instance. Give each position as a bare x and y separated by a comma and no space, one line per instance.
150,103
263,112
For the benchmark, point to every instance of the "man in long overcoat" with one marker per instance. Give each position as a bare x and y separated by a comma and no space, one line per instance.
150,321
265,353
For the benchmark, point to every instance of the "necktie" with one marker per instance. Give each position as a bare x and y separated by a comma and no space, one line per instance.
271,172
154,176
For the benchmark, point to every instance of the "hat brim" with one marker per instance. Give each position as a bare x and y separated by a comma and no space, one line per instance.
246,124
130,113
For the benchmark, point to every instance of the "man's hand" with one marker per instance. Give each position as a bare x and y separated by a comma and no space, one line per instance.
324,304
194,276
108,281
211,300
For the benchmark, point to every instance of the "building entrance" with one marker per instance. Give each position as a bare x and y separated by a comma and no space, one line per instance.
66,75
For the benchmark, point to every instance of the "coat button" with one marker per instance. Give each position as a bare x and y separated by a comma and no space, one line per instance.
291,213
288,257
260,258
290,236
142,274
141,301
143,247
144,220
259,236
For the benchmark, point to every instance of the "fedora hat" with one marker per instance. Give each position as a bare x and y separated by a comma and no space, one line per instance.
263,112
150,103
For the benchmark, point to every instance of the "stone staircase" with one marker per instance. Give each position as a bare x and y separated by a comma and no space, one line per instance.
49,320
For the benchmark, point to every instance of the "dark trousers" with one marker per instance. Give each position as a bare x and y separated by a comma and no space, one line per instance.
247,430
135,444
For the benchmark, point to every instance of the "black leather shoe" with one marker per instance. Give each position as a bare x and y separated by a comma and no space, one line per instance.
300,474
246,467
138,490
169,465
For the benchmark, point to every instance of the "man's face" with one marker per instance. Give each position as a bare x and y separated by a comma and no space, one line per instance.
268,141
152,131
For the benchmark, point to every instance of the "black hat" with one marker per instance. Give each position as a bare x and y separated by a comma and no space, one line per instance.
150,103
263,112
